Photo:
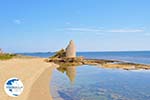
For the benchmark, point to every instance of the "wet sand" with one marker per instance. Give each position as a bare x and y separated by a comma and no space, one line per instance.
33,72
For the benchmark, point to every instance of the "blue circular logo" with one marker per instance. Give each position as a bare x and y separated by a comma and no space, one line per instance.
13,87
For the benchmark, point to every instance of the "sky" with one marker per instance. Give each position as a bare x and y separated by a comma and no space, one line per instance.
94,25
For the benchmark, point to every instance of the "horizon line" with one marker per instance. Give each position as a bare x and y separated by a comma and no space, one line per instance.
90,51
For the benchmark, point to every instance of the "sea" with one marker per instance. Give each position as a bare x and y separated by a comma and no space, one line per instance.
142,57
95,83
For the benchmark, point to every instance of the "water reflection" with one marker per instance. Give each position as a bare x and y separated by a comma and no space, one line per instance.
92,83
70,72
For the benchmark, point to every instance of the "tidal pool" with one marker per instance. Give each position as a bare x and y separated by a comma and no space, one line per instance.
95,83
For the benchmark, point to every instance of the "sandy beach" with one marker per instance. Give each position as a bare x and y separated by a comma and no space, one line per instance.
34,73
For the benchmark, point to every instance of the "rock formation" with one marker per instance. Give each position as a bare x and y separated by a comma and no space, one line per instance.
67,57
71,50
59,54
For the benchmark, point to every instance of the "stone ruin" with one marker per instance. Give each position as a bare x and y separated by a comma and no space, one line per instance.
71,50
66,57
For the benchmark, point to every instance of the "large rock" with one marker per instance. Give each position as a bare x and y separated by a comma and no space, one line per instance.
71,50
59,54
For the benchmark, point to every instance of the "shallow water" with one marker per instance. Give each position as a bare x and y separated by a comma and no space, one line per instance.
94,83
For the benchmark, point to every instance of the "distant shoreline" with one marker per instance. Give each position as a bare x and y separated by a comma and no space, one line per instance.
83,51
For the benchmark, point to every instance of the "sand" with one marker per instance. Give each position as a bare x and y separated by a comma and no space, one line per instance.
33,72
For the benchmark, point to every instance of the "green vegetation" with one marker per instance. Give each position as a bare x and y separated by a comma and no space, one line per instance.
6,56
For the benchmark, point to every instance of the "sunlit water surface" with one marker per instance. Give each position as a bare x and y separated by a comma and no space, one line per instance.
95,83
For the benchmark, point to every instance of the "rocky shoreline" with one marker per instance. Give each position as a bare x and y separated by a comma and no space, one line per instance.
67,57
78,61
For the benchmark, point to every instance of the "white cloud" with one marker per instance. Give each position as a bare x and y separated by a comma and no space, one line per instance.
106,30
17,21
84,29
125,30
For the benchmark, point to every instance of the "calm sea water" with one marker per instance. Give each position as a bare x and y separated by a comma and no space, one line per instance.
95,83
132,56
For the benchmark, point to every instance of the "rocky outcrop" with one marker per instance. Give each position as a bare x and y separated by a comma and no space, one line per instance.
71,50
67,61
68,57
60,54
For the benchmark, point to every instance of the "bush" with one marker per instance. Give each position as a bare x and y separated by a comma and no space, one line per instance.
6,56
